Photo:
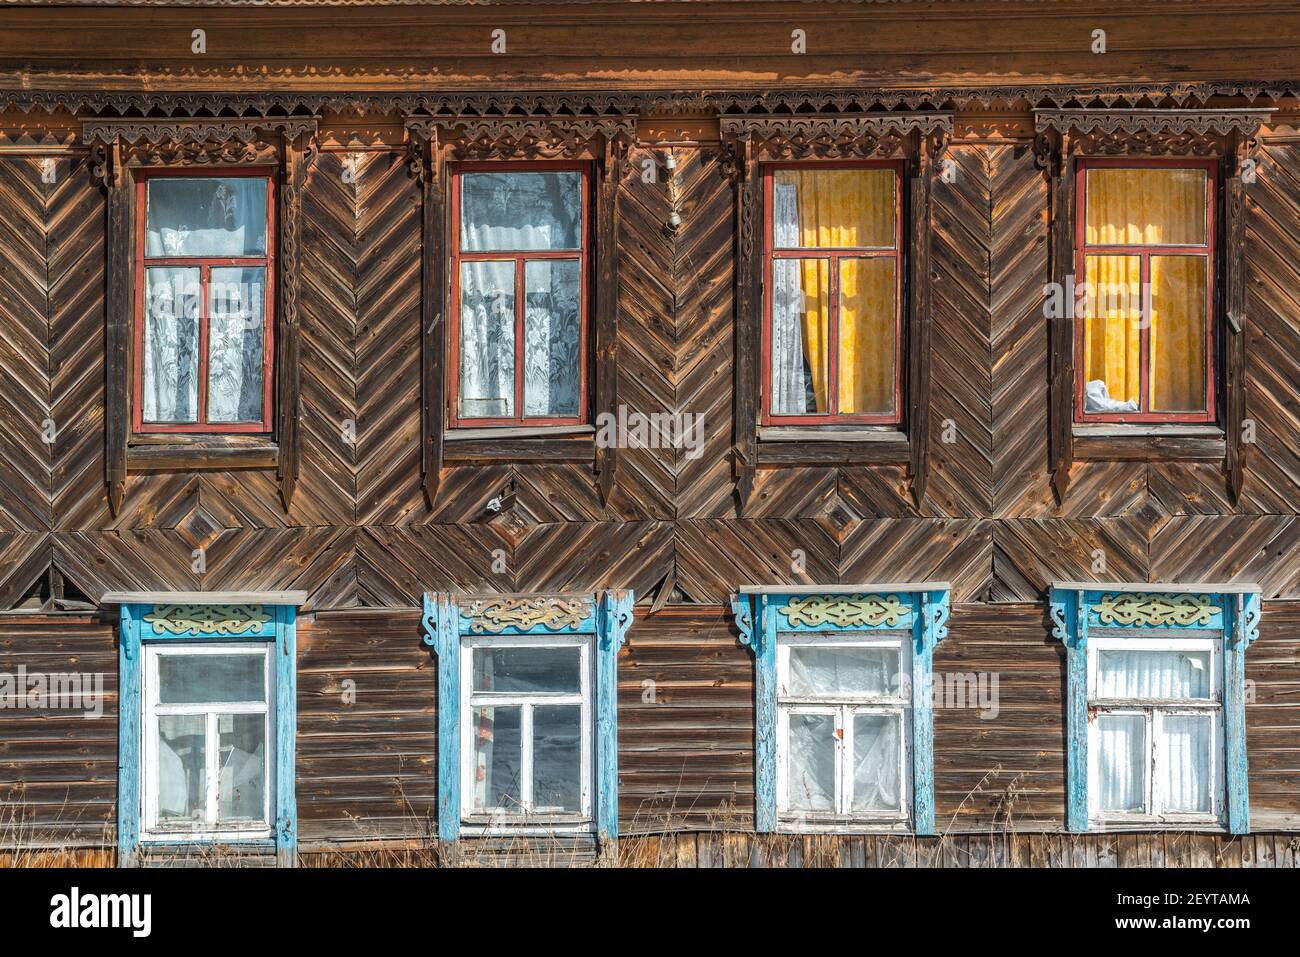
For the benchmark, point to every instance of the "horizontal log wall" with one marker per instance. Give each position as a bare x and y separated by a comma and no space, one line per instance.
58,768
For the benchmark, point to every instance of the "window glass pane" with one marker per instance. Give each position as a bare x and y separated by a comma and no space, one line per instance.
487,339
181,773
827,670
876,782
812,762
170,374
198,679
800,336
1112,333
1159,207
1176,675
203,216
242,762
552,358
518,211
833,208
867,330
523,670
498,760
557,759
236,343
1121,760
1186,784
1178,327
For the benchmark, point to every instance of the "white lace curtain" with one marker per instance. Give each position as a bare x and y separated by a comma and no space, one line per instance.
791,383
204,217
519,212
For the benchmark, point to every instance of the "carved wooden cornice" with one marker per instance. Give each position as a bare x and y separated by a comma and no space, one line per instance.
831,136
664,102
1150,132
482,137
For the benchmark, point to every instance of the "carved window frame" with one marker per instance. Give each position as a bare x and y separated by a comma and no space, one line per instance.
750,142
120,150
767,618
1224,613
451,623
435,144
1225,137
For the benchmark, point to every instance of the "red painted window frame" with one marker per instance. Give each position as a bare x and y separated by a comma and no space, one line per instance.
834,254
205,265
1208,249
520,257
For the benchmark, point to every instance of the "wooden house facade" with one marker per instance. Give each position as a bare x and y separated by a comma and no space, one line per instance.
701,556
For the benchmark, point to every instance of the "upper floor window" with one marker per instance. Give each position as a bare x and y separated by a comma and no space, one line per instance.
520,276
1145,249
205,262
833,280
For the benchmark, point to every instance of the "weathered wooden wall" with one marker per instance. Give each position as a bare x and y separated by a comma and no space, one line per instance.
58,769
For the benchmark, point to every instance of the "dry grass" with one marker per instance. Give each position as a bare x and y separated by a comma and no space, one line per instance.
671,838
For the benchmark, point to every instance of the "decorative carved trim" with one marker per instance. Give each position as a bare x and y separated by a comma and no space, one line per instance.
1151,609
207,619
833,137
297,155
495,615
198,143
846,611
742,609
1149,132
598,103
478,137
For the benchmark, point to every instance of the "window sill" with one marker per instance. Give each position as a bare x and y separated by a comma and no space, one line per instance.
550,443
842,826
828,445
173,452
1148,443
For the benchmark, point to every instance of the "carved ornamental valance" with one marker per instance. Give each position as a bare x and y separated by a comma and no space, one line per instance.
532,137
834,136
197,142
1111,132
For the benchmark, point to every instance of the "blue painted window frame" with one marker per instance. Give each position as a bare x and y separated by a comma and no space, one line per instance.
135,632
606,616
760,620
1235,622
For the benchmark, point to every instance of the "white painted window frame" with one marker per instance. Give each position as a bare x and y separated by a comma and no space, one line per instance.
843,706
503,820
152,709
1154,710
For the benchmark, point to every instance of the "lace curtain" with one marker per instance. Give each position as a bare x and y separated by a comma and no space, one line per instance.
204,218
520,213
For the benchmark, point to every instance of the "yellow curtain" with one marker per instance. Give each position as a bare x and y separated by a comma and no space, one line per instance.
1130,207
848,208
1112,331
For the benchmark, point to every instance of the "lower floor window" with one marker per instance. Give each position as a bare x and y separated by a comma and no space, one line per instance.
208,739
527,732
1155,733
843,714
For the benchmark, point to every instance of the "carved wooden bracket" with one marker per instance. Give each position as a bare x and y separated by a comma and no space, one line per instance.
1230,135
747,141
433,142
119,146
